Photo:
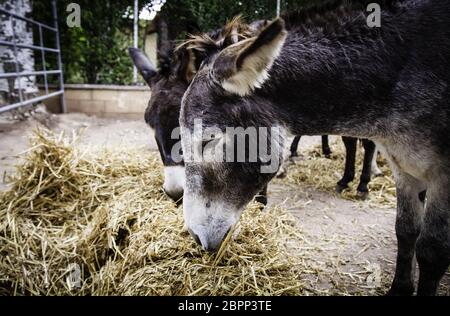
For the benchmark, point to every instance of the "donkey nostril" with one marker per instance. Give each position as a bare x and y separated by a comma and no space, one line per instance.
210,244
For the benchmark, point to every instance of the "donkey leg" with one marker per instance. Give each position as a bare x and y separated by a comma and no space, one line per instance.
433,245
325,146
407,228
262,196
374,168
349,171
294,146
369,151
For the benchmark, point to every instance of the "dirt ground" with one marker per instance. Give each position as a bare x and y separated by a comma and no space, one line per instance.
357,241
96,132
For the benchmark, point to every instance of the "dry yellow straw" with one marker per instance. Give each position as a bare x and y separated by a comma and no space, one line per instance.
313,169
97,223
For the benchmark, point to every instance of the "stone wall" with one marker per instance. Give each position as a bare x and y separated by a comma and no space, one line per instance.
103,100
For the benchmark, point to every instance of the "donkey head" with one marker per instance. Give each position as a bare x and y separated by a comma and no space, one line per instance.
225,99
177,68
168,86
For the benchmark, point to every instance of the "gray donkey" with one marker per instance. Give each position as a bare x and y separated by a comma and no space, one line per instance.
333,74
171,81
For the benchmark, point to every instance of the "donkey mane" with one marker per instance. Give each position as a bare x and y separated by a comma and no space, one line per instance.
235,30
329,16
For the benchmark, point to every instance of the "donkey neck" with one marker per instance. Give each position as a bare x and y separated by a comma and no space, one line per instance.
338,83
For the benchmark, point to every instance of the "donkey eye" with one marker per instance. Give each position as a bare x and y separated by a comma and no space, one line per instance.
206,142
211,140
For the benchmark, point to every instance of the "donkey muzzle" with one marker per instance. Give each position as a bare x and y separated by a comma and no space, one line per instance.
209,242
174,178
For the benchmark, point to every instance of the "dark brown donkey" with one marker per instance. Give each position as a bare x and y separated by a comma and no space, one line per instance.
332,74
369,162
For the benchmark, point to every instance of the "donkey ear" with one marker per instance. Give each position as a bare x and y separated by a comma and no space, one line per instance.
143,64
245,66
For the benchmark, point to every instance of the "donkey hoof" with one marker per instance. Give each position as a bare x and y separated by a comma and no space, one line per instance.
401,291
328,156
293,159
362,195
378,174
281,174
340,188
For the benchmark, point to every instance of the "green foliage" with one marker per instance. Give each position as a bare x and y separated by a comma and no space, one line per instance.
212,14
97,51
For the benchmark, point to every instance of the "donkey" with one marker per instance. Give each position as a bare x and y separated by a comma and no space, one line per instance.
326,151
170,82
333,74
168,86
369,165
369,162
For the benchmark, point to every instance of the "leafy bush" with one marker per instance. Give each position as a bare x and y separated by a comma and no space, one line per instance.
97,51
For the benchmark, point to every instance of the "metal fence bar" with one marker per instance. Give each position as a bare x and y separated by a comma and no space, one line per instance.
29,73
30,101
11,19
48,49
18,74
135,34
44,67
61,79
27,20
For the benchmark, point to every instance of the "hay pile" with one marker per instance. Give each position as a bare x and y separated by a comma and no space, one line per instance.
313,169
95,223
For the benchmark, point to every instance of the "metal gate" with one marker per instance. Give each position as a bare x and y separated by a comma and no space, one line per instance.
18,74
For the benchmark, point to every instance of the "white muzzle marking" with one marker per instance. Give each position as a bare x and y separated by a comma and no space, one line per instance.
174,181
208,220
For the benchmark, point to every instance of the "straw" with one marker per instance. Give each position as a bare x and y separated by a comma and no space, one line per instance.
314,170
96,223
